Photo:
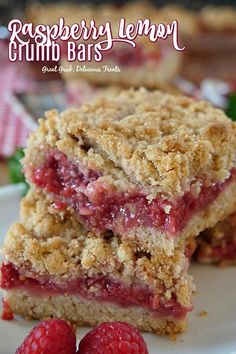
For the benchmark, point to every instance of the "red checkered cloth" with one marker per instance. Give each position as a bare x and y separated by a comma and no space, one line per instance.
13,132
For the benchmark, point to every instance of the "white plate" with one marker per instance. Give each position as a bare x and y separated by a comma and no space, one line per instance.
213,334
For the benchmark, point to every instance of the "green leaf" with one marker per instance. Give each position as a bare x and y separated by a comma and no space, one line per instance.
15,169
25,189
231,107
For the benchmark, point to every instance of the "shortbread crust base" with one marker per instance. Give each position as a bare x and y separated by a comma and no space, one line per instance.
83,312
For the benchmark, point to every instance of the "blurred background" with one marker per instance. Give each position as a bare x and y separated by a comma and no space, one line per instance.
205,70
7,5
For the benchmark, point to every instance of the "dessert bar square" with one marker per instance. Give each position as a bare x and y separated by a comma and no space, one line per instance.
218,244
52,267
151,167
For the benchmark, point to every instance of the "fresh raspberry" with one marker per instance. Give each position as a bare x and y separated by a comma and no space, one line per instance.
113,338
49,337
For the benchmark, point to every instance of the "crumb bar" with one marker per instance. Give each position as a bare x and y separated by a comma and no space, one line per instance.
57,269
149,166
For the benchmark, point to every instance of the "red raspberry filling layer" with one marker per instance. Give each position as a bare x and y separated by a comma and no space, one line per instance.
103,208
99,288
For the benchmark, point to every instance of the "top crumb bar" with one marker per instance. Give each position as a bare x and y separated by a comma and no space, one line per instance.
155,140
151,149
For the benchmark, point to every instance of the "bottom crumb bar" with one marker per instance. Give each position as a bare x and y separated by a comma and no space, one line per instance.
84,312
52,267
218,244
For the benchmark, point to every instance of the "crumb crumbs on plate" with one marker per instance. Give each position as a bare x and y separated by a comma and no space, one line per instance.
173,337
203,313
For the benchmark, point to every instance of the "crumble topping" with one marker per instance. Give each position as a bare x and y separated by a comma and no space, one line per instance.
203,313
157,141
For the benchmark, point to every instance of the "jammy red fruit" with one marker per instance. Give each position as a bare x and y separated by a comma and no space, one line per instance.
49,337
113,338
103,208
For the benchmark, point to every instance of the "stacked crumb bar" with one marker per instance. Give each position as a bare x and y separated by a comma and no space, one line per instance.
119,190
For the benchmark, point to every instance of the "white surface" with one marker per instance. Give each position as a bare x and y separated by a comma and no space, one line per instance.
9,207
213,334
